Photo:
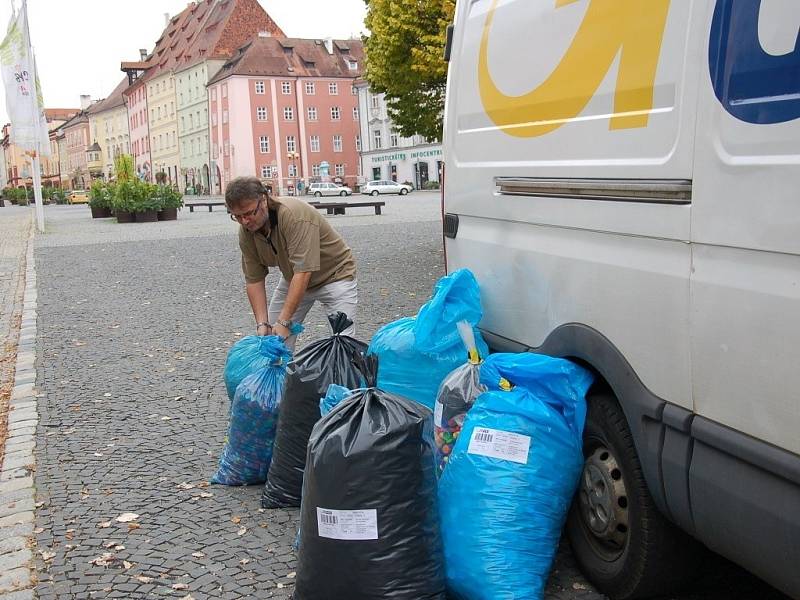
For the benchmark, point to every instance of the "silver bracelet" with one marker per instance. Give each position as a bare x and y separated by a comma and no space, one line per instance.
258,325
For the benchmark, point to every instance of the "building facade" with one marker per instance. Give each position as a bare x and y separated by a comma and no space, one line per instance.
108,123
77,134
163,127
387,155
286,110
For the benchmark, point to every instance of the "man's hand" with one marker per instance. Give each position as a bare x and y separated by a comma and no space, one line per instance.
264,329
280,330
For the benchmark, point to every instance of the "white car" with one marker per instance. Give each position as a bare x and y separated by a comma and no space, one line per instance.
382,186
329,189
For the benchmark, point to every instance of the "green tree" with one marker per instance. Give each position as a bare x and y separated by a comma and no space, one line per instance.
405,60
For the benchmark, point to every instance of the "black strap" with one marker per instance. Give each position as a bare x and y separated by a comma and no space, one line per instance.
273,226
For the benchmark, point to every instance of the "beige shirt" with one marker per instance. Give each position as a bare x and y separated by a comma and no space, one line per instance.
305,243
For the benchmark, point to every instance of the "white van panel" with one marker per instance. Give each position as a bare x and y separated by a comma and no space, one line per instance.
744,342
534,279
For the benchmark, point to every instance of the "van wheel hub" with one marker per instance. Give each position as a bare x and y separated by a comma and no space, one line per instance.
604,502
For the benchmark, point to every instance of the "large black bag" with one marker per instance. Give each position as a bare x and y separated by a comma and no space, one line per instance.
308,376
369,525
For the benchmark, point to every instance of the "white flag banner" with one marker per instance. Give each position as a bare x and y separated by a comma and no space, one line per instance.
23,93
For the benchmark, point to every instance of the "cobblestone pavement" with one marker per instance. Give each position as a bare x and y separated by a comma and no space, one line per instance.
132,341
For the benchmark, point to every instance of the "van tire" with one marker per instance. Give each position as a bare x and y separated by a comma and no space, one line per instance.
403,191
643,555
374,193
317,194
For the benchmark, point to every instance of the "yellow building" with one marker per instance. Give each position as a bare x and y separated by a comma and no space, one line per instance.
163,121
108,126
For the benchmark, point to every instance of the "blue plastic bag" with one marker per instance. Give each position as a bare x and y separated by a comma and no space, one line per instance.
254,415
507,488
416,354
248,355
334,395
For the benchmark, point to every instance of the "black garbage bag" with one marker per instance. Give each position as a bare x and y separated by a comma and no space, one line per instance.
308,376
369,525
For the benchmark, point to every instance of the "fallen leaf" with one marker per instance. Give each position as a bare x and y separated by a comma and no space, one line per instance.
98,454
127,517
104,524
280,586
237,520
38,530
263,525
188,597
579,586
180,586
127,564
107,395
202,484
103,560
144,579
186,486
291,575
242,531
244,561
166,418
48,555
118,548
132,526
178,397
198,554
206,495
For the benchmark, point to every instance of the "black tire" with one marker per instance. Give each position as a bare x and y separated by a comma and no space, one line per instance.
343,193
374,193
620,540
403,191
317,194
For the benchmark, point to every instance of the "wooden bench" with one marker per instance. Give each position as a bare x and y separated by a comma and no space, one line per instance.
338,208
210,205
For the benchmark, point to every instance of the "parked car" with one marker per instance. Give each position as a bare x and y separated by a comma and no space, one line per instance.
382,186
329,189
78,197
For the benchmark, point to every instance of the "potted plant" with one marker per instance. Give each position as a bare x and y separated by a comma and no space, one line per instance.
147,204
125,200
171,201
99,200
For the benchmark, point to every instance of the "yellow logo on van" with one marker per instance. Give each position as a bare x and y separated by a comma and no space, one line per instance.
632,29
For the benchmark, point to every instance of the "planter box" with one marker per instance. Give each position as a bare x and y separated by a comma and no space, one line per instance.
123,217
168,214
147,216
100,213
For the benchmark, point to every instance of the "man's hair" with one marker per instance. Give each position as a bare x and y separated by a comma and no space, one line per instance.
243,189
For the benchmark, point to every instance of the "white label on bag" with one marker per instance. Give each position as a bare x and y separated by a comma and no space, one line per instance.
347,524
500,444
437,414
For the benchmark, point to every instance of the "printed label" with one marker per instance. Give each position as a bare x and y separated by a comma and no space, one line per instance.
437,414
500,444
347,524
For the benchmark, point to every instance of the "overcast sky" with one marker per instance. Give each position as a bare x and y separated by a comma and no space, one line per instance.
80,43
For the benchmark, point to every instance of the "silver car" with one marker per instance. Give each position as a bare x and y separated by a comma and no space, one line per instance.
329,189
383,186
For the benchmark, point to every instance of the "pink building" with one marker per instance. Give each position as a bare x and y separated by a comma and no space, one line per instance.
285,110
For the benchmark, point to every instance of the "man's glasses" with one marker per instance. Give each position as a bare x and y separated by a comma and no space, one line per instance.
249,214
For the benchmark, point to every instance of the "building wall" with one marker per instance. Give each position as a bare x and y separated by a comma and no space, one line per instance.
136,102
193,123
77,141
163,121
414,159
110,129
63,158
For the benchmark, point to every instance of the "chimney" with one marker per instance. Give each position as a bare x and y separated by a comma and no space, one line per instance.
329,45
143,54
166,19
86,101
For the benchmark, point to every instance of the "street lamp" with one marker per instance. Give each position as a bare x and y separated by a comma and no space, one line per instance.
293,156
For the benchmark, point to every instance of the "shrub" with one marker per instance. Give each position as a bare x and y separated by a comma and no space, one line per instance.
99,195
126,195
431,185
170,197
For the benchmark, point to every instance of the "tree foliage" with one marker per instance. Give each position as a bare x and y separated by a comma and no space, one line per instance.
405,60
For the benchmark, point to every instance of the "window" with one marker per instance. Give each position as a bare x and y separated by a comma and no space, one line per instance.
214,119
259,87
183,123
286,88
266,171
354,90
224,116
227,148
191,121
358,143
288,113
376,135
312,113
355,113
315,143
290,144
315,170
352,65
261,113
310,89
339,170
376,101
393,139
333,89
213,95
337,143
225,89
292,170
263,144
336,114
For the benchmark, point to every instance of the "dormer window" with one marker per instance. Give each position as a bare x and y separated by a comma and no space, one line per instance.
352,65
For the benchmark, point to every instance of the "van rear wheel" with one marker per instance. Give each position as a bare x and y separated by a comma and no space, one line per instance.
620,540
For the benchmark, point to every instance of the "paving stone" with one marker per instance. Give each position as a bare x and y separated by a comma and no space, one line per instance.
15,484
13,544
20,595
15,559
17,518
17,416
18,444
11,474
17,460
15,579
16,496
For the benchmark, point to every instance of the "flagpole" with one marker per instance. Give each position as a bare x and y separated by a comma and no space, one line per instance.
37,174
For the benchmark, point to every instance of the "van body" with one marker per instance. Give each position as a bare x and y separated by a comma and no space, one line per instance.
623,178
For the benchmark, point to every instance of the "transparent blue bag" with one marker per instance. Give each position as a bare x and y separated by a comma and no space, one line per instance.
334,395
505,493
416,354
248,355
253,418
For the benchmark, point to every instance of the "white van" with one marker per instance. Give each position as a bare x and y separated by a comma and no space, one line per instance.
623,178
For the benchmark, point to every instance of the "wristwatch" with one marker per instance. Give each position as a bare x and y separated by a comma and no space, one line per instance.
284,323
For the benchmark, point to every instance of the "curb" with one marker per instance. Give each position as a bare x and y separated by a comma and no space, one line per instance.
17,491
